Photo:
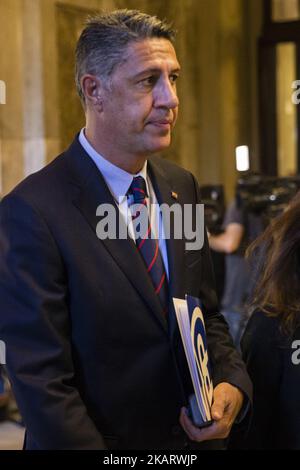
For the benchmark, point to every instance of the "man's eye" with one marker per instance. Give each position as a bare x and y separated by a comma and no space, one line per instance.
148,81
173,78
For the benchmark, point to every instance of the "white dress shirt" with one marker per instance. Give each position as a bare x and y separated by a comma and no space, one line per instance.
118,182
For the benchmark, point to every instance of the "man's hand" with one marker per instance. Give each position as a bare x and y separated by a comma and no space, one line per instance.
227,402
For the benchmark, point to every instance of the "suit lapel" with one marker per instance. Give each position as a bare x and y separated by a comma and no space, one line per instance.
91,191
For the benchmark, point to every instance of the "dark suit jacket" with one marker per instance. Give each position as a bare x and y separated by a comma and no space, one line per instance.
268,354
93,362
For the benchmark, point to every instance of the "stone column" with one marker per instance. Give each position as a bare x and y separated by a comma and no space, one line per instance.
11,113
233,85
33,96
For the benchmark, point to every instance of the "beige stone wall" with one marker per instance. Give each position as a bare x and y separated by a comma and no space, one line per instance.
218,90
11,114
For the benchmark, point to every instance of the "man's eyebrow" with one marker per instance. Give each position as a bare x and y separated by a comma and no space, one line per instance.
153,70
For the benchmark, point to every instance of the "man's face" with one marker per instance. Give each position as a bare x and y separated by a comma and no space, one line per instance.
140,108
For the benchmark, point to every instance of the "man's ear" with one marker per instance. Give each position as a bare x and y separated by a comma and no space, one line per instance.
91,87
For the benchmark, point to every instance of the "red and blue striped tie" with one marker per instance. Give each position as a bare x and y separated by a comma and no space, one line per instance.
148,247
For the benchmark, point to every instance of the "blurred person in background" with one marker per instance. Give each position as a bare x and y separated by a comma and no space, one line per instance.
4,395
271,343
240,228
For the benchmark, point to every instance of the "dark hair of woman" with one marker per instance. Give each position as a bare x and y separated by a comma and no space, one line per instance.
277,292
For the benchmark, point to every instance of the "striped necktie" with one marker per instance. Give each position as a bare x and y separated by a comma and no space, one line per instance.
147,246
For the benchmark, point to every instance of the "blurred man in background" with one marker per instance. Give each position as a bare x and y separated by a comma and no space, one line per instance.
241,226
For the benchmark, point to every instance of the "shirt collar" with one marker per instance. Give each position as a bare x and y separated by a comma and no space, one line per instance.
117,180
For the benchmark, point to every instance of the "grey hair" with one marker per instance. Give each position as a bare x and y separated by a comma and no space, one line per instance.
103,41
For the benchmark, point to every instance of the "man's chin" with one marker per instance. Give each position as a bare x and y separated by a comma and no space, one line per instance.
160,145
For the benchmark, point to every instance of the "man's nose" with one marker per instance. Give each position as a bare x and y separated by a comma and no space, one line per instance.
166,95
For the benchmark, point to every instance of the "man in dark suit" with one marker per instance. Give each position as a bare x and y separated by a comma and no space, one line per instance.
93,350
